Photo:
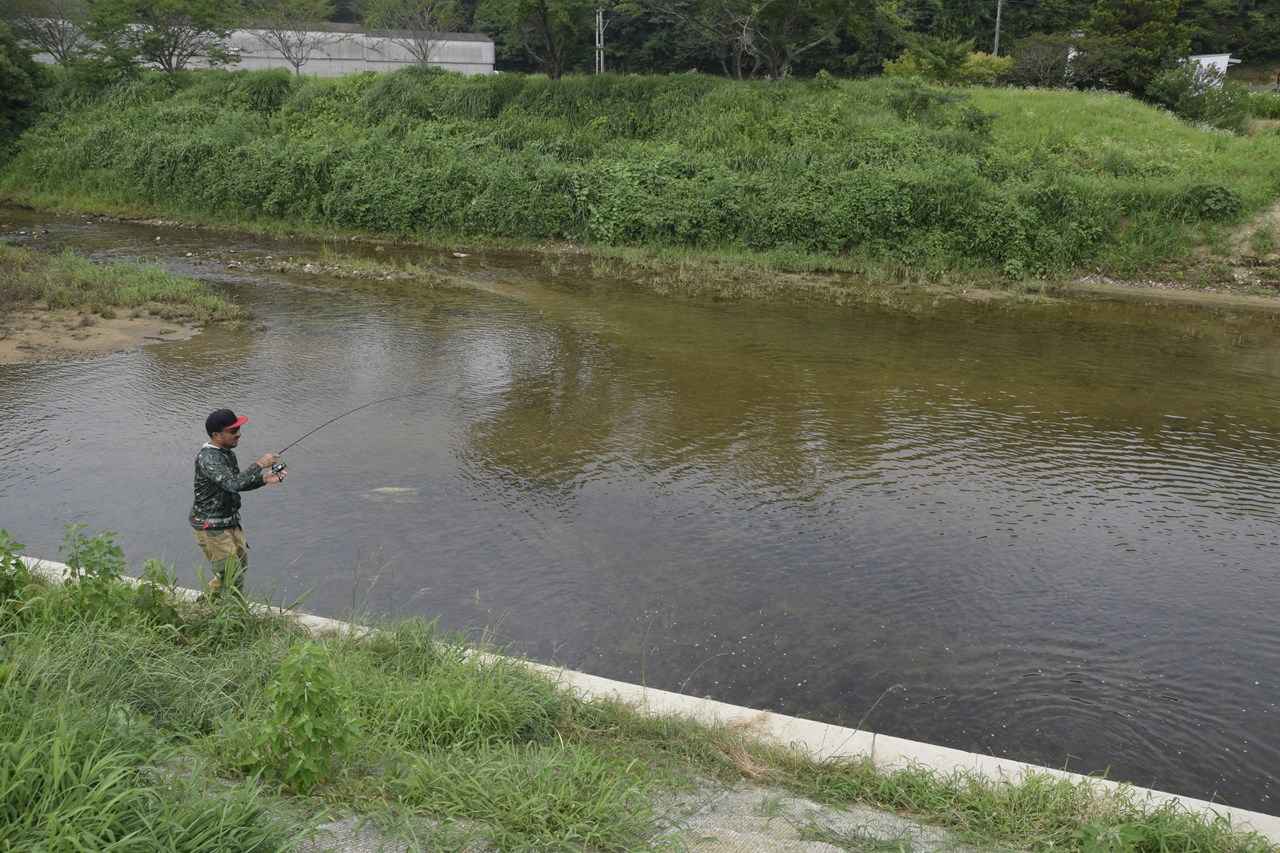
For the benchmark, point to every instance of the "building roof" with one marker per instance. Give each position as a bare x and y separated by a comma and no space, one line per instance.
357,30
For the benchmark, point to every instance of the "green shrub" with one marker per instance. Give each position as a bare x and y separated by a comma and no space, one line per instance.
1202,95
14,574
1041,59
95,565
933,58
310,730
949,61
1263,105
265,91
1213,202
20,82
983,69
906,65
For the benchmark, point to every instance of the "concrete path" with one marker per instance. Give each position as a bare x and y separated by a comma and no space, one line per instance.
716,819
748,818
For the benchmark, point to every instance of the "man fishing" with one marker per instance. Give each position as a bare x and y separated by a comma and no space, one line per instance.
215,515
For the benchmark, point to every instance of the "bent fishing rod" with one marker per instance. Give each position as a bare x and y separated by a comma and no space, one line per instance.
279,467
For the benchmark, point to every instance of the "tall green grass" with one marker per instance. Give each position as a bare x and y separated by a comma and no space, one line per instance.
1264,105
131,719
883,170
72,281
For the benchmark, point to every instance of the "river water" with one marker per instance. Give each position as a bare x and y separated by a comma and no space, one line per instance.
1044,531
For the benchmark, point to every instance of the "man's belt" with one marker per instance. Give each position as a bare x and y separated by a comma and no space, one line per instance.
216,523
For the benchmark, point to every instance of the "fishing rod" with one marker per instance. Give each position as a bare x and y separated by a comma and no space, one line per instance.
279,467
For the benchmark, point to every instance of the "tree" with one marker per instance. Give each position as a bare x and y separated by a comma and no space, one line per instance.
55,27
289,28
1145,35
937,59
1041,59
763,36
165,33
551,32
19,79
788,29
415,24
640,40
728,26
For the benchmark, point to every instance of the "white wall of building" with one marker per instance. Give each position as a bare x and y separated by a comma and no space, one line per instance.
1217,62
352,51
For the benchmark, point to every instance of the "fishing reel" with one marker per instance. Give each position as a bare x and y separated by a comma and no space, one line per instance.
279,469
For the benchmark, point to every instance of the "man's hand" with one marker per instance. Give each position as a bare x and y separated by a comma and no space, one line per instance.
267,460
273,479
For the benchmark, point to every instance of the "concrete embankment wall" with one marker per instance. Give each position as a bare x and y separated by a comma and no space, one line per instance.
819,740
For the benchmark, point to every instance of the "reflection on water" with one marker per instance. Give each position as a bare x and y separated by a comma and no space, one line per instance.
1052,525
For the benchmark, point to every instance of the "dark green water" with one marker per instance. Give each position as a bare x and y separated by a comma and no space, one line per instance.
1053,526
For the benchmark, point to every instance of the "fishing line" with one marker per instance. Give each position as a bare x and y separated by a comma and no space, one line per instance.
350,412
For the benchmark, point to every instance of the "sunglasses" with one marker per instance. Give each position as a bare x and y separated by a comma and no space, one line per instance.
233,430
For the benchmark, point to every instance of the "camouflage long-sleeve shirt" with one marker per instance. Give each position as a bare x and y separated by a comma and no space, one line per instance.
219,482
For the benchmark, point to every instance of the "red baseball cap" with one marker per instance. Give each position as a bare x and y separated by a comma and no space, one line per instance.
223,419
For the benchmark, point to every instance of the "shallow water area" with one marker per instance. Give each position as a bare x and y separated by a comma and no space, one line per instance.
1042,530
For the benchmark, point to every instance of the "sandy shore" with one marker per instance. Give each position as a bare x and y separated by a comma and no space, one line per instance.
35,334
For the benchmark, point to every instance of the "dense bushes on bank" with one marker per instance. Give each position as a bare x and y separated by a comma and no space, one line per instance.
877,169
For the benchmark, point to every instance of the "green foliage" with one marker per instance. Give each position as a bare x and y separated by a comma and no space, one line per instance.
879,171
14,574
983,69
76,778
166,33
310,730
1264,105
263,92
154,595
941,63
20,80
1145,35
534,797
1212,202
1042,59
96,564
117,734
70,281
459,705
551,32
932,58
1201,95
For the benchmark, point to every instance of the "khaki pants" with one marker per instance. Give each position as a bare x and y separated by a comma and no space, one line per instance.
228,555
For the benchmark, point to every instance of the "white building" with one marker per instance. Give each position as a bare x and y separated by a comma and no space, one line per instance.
347,49
1215,63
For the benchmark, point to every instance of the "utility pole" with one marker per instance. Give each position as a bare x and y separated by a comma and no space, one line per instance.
995,51
599,41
